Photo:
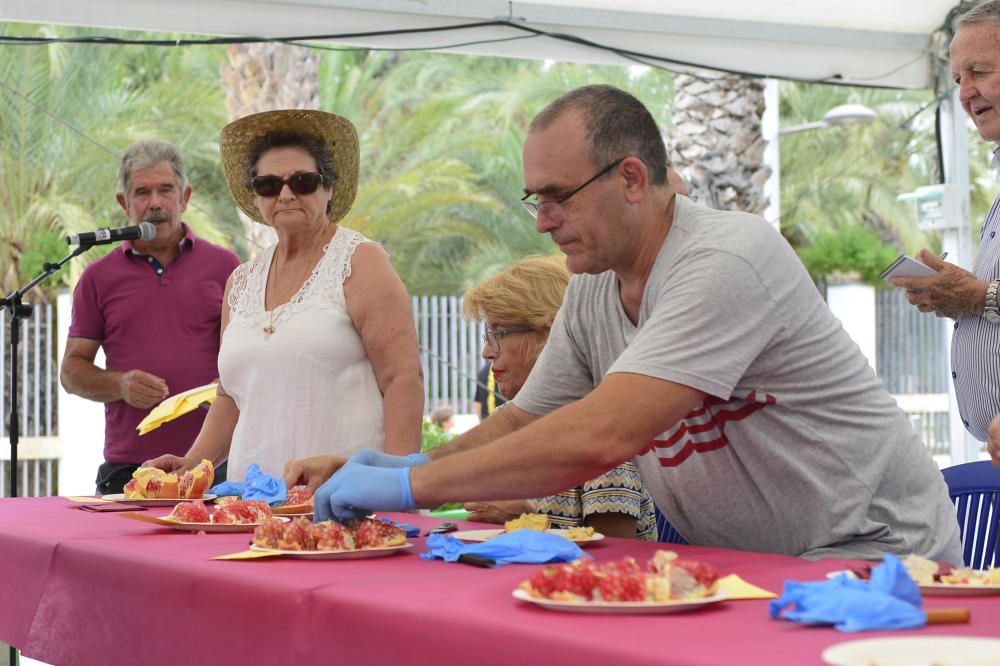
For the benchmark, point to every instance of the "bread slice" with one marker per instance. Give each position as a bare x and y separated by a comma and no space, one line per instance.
528,521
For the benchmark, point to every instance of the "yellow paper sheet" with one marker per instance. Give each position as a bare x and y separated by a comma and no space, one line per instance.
737,588
245,555
177,405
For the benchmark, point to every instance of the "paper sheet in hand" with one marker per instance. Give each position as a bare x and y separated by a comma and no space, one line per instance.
906,266
177,405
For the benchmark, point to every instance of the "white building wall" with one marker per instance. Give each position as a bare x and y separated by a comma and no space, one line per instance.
81,425
854,306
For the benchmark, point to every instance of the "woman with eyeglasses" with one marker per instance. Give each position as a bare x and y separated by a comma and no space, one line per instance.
519,305
319,352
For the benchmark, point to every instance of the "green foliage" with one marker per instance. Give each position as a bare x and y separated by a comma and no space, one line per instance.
41,248
441,139
837,180
849,251
433,437
842,177
67,111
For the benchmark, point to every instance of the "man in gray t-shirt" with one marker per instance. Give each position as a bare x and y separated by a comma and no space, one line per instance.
796,446
694,342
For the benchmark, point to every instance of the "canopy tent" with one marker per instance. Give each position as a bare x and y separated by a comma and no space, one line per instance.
879,43
884,43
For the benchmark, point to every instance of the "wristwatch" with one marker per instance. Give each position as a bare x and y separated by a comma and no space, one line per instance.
991,312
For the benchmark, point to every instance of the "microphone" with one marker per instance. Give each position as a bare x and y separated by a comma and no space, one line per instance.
145,231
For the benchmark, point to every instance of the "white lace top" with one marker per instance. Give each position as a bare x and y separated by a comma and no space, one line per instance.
308,387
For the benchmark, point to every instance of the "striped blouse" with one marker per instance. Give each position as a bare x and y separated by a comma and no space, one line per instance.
617,491
975,344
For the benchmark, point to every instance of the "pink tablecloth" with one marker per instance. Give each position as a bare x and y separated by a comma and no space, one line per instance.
81,588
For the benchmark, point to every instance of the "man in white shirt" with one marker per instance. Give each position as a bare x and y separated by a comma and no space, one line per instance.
971,298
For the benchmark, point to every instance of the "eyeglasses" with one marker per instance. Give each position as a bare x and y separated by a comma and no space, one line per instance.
299,183
491,339
549,207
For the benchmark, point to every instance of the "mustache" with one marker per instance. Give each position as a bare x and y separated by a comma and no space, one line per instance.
155,216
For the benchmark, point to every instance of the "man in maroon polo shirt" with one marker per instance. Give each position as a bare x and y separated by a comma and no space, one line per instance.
155,308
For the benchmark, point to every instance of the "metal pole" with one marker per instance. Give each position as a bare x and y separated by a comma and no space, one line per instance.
956,239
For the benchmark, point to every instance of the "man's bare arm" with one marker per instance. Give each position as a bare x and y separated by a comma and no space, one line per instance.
573,444
80,376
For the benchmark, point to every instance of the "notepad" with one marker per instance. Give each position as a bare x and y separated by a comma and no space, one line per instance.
906,266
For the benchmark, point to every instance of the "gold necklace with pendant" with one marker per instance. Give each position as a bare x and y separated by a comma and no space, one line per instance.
269,329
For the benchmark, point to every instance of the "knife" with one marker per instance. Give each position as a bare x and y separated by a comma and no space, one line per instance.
477,560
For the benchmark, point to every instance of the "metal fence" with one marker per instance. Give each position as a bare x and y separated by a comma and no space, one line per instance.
913,363
37,391
450,352
910,357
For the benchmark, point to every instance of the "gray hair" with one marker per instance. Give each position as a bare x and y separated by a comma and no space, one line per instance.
149,153
988,11
617,124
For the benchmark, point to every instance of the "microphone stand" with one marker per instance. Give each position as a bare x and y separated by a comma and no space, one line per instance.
18,312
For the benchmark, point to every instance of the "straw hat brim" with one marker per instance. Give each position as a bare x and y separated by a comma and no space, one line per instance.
336,133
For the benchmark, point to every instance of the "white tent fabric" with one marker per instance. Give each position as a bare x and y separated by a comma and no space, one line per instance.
868,42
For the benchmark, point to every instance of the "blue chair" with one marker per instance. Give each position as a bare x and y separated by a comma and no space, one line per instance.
665,532
975,489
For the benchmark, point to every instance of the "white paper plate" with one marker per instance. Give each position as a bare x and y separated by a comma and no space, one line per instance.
915,651
958,590
120,497
362,554
486,535
621,607
941,589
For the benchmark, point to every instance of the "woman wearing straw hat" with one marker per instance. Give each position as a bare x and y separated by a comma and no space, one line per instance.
319,353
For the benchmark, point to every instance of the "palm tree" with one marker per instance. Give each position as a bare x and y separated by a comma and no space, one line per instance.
431,123
261,77
851,176
718,146
62,131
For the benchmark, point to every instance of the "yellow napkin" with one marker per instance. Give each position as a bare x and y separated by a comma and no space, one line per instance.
177,405
245,555
85,500
737,588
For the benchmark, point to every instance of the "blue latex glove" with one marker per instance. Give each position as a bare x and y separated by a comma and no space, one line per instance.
524,546
264,487
374,458
891,600
227,488
357,490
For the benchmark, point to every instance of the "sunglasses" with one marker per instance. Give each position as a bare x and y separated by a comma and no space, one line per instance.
299,183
